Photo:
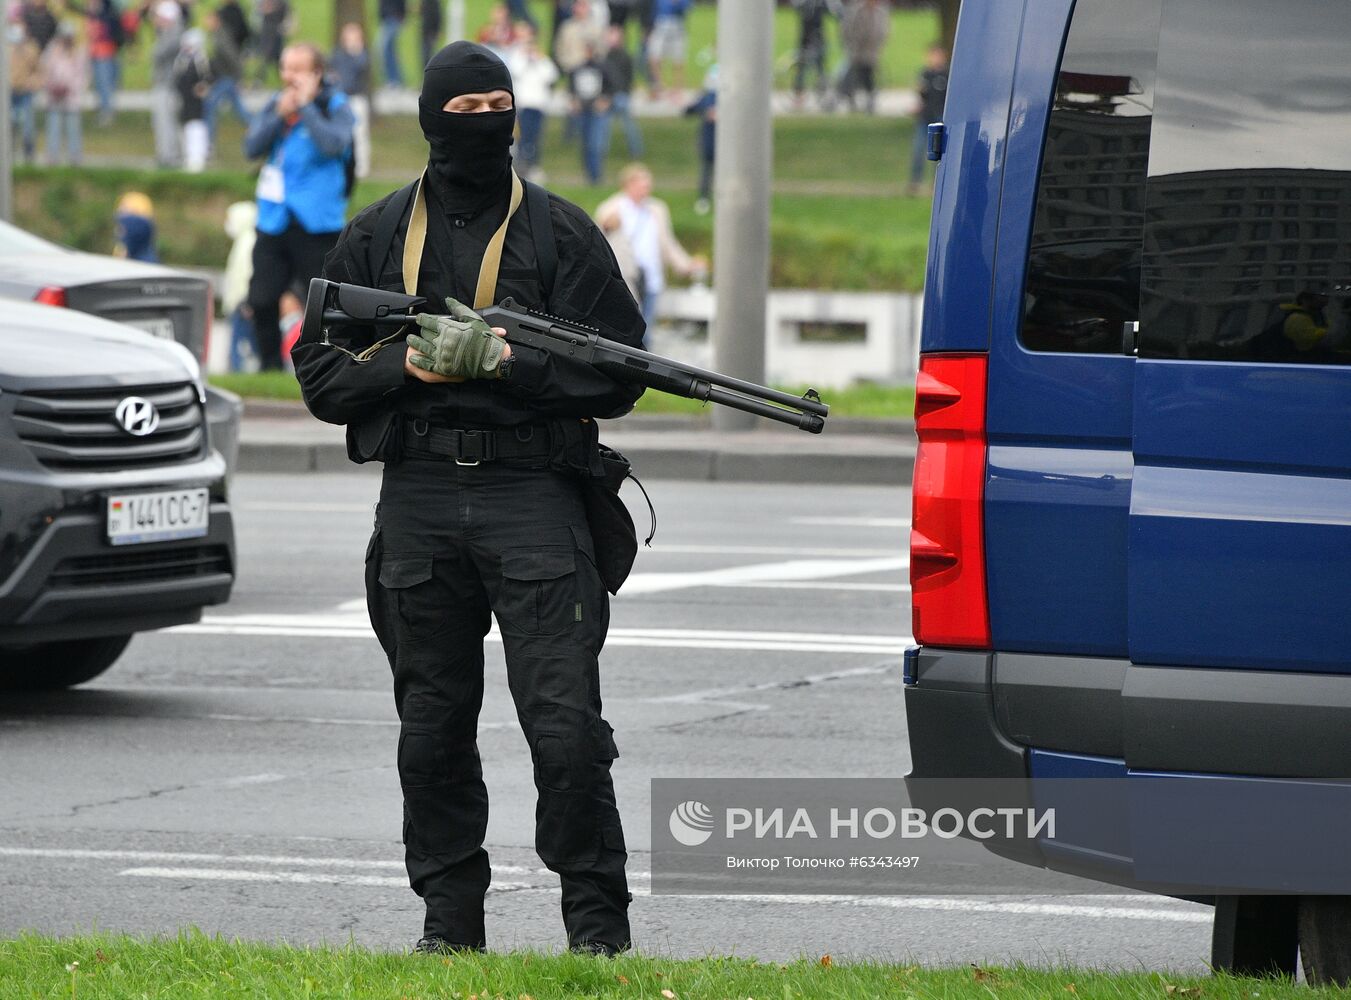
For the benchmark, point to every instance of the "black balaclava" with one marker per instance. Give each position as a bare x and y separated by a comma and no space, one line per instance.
470,160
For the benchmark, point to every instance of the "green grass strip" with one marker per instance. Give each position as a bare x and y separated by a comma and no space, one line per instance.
871,401
840,216
195,966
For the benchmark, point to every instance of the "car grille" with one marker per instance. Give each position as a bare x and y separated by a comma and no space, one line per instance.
183,562
77,429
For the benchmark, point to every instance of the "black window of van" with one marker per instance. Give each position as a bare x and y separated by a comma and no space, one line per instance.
1251,96
1083,271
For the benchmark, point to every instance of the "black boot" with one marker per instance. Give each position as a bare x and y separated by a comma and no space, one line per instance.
435,944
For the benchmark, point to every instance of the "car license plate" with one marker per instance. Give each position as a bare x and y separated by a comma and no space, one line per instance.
157,517
162,328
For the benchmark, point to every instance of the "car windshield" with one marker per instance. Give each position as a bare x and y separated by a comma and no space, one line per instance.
14,241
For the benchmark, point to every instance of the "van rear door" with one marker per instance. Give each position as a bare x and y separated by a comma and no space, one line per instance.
1240,511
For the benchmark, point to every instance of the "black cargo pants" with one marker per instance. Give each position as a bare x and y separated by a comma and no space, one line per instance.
451,544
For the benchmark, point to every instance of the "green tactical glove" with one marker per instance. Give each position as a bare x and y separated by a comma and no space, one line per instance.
459,345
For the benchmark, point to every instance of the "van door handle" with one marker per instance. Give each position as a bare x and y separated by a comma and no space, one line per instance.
1130,338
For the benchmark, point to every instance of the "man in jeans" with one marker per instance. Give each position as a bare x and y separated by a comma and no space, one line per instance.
534,75
305,132
667,43
392,15
618,66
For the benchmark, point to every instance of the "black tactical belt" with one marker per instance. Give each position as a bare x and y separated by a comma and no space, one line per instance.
466,447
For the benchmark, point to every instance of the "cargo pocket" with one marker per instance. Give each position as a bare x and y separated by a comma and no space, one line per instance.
408,579
539,594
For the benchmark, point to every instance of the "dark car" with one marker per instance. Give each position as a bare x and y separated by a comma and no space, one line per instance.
161,301
113,510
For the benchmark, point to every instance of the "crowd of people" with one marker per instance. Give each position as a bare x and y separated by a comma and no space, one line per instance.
863,29
597,53
194,71
591,59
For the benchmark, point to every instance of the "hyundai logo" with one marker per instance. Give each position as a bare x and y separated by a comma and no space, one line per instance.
137,416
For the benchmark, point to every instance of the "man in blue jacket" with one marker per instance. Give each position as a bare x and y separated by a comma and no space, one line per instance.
305,133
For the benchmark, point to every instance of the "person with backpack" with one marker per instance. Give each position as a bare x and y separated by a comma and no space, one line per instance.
489,450
304,137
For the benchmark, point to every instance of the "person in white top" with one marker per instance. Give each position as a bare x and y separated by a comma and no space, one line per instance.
645,223
534,74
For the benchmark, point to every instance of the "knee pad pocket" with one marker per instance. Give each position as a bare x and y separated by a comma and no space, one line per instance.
554,763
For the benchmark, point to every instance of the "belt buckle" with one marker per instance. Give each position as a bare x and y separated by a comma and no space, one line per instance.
481,438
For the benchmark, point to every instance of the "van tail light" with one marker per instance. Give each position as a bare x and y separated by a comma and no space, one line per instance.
947,534
52,295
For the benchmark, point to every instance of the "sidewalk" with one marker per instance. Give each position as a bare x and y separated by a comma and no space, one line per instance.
283,437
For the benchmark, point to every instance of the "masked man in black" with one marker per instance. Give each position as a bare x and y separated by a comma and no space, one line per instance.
481,507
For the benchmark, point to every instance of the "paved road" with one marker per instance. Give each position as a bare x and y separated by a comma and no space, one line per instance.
238,775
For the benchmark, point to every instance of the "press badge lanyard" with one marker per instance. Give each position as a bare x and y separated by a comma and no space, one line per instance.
416,239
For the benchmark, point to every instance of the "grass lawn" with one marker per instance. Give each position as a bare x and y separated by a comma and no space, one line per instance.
840,217
856,155
872,401
911,32
193,966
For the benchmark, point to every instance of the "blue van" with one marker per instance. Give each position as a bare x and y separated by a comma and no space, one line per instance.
1131,546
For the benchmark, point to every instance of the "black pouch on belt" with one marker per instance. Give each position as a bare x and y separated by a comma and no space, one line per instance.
611,525
375,438
576,449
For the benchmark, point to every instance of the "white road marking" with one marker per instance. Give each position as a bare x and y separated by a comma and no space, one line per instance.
853,522
306,720
940,903
1146,908
183,857
306,507
961,905
333,626
793,570
774,550
359,603
239,875
249,779
881,588
86,854
293,878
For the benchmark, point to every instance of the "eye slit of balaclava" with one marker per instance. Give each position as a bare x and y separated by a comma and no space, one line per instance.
470,157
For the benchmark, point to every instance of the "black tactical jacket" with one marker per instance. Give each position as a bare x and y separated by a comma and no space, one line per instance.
340,388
